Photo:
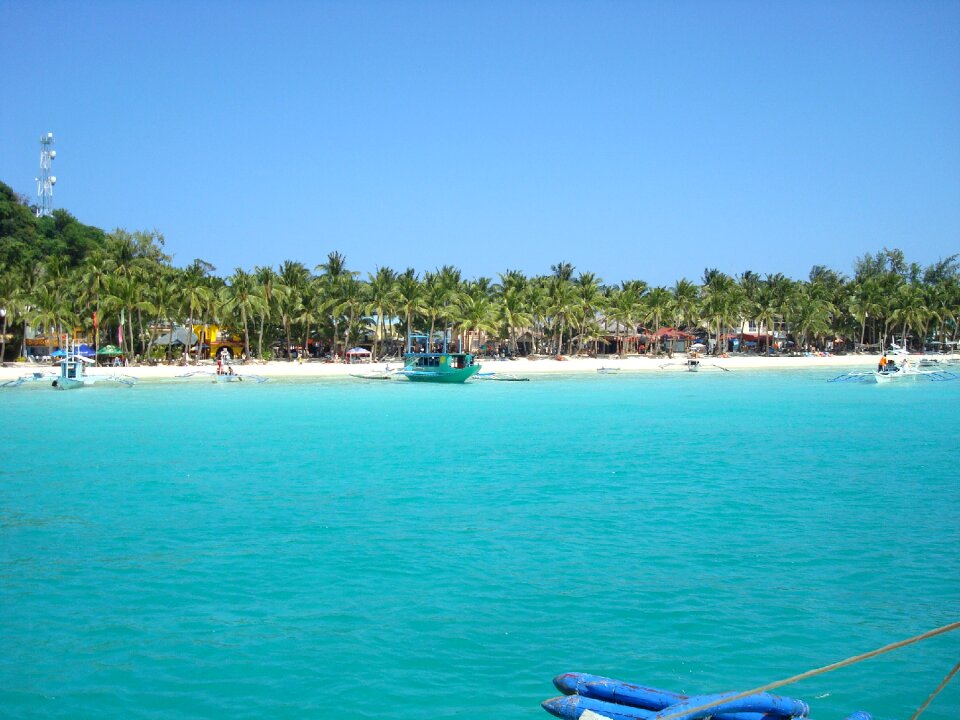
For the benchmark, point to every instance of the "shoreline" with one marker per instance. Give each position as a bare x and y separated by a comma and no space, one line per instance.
312,370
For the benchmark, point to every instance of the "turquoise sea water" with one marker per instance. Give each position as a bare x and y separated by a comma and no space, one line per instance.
398,550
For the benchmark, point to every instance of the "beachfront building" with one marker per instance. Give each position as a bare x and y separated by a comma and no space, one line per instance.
218,342
39,346
202,342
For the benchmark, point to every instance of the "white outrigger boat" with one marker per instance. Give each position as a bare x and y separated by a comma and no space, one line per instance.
226,376
906,372
74,376
693,365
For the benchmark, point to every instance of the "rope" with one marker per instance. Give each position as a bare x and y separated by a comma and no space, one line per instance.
818,671
936,692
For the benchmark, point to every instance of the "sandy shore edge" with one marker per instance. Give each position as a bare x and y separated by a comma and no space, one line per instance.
522,367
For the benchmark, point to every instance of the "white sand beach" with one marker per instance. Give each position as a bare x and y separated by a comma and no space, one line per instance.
520,367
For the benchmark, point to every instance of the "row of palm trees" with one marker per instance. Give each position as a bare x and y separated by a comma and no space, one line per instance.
129,291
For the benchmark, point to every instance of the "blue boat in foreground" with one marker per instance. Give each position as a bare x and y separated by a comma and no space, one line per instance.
594,696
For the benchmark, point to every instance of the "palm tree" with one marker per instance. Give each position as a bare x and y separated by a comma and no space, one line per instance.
241,295
294,277
440,292
561,304
96,269
537,302
198,297
265,292
562,271
864,302
685,303
10,293
812,315
721,303
167,302
659,304
333,273
352,299
50,312
763,309
311,312
750,288
783,291
383,295
624,309
474,313
911,312
589,297
409,298
512,313
944,302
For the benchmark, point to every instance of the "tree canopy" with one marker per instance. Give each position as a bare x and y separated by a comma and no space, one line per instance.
57,275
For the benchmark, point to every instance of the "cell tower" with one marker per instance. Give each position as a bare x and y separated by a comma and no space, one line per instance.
46,181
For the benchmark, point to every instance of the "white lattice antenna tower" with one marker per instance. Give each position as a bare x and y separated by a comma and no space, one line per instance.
46,181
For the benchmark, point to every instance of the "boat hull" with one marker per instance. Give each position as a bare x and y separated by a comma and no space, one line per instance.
897,377
452,375
67,384
438,367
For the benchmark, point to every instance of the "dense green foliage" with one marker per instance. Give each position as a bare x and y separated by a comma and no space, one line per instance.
57,274
26,240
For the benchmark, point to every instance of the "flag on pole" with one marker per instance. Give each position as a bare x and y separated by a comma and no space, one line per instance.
120,330
95,323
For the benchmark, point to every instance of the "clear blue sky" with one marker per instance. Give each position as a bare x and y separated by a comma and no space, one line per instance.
634,139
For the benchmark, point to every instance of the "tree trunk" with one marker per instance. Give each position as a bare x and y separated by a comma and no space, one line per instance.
286,329
346,339
128,333
263,320
96,328
246,331
140,326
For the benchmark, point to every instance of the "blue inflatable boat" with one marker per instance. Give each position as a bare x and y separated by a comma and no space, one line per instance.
620,700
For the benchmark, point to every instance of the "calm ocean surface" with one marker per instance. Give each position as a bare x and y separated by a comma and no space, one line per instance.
396,550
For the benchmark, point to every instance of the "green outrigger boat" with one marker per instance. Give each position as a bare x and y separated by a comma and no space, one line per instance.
436,367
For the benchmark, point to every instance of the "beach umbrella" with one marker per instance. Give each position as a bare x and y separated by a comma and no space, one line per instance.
109,351
58,353
85,350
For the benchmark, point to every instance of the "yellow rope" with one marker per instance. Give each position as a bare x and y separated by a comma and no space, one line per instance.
936,692
817,671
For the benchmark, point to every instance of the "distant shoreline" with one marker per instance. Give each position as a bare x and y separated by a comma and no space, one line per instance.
521,367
